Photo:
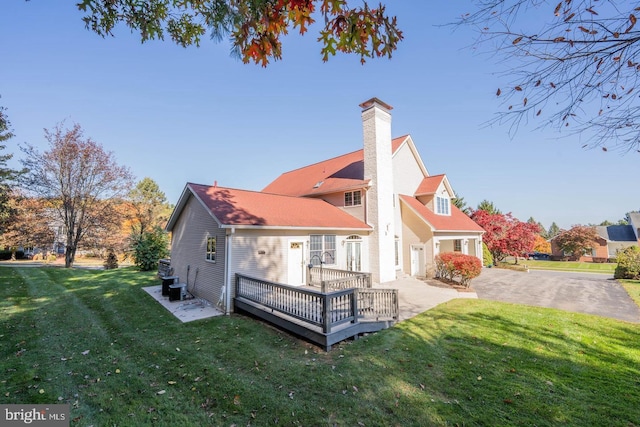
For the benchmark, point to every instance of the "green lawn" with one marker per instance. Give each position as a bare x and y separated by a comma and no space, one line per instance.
96,340
588,267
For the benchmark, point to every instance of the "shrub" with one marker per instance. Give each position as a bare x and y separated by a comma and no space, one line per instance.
450,265
487,258
111,262
148,248
628,263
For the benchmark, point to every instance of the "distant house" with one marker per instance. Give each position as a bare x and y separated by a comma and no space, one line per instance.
373,210
611,239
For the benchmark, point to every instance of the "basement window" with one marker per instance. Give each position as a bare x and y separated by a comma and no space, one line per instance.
353,198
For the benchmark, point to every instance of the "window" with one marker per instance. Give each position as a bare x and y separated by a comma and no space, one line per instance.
457,245
442,205
353,198
211,249
322,248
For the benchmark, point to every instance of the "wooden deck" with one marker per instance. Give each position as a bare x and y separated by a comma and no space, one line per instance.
324,318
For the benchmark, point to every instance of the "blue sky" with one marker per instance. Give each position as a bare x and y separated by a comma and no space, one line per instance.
198,115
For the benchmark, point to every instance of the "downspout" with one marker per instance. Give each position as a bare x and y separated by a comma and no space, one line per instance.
227,266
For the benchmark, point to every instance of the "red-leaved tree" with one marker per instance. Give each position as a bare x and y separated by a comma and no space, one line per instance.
506,235
578,240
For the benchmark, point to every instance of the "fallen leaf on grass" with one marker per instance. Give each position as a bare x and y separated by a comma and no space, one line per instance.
84,353
161,392
171,382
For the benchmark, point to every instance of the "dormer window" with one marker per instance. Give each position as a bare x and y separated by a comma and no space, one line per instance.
353,198
442,205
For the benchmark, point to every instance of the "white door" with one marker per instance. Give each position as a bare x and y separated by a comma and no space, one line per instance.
417,261
354,259
296,263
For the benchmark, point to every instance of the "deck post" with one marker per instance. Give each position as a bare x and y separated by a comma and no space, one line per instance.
326,313
354,305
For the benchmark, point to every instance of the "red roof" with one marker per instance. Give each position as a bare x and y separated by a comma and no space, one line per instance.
457,221
429,185
337,174
234,207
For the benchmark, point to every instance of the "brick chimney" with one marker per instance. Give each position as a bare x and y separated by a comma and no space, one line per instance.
378,168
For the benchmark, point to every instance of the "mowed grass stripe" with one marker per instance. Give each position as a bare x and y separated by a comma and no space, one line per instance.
467,362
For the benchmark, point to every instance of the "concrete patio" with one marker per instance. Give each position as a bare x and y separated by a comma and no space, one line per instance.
185,311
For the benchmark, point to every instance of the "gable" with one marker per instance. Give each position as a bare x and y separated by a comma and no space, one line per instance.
436,184
408,169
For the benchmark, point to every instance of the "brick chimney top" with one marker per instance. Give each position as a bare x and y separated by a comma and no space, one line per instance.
375,101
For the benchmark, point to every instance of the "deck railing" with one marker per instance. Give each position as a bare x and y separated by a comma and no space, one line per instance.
334,279
325,310
378,304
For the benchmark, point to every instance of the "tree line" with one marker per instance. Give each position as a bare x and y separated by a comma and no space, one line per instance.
506,236
74,197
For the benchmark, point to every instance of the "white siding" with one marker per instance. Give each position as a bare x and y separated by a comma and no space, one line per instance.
407,174
264,253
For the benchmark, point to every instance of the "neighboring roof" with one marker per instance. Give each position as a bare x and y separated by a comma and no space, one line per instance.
340,173
457,221
242,208
616,233
429,185
634,221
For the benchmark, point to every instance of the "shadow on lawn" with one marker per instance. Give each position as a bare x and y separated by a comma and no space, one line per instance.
501,371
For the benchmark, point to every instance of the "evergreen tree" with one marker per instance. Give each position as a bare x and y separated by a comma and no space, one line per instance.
553,231
488,207
7,175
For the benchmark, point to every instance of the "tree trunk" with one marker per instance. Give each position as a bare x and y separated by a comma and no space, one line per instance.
69,257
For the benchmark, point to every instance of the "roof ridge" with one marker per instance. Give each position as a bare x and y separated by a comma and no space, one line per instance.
257,192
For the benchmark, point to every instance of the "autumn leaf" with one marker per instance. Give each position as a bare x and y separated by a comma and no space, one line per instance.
498,92
518,88
236,400
556,12
517,40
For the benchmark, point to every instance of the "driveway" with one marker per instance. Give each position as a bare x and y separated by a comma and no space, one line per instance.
587,293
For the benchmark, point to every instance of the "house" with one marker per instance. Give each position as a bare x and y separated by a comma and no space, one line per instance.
374,210
610,240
